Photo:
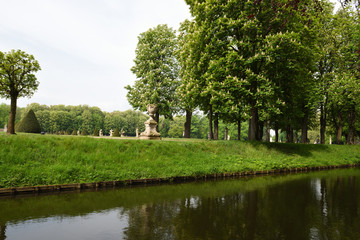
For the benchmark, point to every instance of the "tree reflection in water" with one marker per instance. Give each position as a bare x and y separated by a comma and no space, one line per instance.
319,205
306,209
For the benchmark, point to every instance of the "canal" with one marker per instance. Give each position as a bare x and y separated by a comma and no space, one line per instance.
316,205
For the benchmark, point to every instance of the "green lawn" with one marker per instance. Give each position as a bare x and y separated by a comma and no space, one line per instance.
29,159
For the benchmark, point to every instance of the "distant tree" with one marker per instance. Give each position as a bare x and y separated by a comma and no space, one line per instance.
29,124
96,132
116,133
17,79
74,132
157,70
84,132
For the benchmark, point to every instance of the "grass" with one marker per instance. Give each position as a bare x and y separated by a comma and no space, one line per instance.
30,160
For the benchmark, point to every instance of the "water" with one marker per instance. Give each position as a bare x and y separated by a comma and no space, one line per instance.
318,205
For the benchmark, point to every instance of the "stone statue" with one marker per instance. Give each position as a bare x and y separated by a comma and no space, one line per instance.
5,128
122,132
100,133
78,132
137,132
150,125
111,132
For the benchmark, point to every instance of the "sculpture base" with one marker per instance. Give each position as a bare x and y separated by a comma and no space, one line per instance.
150,131
149,138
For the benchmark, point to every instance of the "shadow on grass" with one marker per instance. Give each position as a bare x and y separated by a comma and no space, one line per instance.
304,150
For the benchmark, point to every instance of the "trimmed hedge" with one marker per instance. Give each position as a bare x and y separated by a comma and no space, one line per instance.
29,124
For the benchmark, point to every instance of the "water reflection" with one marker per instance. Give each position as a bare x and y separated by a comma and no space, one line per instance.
322,205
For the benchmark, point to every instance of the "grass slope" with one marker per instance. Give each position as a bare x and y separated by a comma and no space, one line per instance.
30,160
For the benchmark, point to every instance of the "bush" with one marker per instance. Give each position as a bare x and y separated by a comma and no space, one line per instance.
74,132
96,132
116,133
29,124
84,133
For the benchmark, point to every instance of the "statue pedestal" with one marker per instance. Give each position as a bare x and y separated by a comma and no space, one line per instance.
150,131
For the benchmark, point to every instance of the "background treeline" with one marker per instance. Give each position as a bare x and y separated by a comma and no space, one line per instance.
61,118
57,118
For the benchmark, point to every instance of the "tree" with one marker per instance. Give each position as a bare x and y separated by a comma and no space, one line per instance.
157,70
17,79
29,124
229,54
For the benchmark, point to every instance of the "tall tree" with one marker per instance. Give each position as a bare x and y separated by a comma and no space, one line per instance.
232,38
17,79
156,70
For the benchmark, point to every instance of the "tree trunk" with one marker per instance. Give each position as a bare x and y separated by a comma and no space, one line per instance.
351,135
12,115
267,133
216,127
260,130
253,125
276,133
187,124
239,129
289,134
211,135
304,129
339,129
322,123
157,117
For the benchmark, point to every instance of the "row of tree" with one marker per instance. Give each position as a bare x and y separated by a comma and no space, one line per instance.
281,65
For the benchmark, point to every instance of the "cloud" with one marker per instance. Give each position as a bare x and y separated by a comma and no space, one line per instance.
85,47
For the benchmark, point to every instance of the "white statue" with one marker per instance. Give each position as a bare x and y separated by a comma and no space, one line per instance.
137,132
100,133
111,132
150,125
78,132
5,128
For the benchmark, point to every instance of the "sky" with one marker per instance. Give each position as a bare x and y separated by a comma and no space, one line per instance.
85,48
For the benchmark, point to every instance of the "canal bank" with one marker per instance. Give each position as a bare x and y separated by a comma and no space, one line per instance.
35,163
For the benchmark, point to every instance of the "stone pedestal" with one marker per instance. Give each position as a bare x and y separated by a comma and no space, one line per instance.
150,125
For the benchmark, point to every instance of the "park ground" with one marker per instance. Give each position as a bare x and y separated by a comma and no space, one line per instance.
32,160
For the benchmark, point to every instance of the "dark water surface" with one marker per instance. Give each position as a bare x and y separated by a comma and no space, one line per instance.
318,205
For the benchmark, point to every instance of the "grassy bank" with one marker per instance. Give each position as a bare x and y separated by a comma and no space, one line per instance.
29,160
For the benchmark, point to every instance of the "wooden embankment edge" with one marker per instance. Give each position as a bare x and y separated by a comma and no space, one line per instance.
151,181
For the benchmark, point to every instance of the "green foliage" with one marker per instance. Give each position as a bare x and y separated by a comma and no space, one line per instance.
116,133
29,124
84,132
74,132
17,79
96,132
156,70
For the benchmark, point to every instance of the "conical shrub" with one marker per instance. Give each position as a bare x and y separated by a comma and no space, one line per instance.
29,124
84,133
96,132
116,133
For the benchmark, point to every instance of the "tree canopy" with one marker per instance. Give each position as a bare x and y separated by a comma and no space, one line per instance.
17,79
156,70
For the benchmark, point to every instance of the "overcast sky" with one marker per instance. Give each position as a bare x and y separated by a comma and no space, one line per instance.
85,47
